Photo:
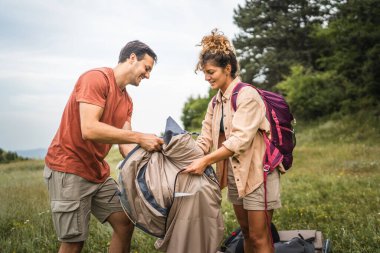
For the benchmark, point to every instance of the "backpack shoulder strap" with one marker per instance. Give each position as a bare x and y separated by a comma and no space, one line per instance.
235,92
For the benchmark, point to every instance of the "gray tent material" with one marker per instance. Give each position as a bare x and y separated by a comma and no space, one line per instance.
182,210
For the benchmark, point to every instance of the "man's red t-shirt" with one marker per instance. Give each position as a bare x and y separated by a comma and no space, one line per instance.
68,152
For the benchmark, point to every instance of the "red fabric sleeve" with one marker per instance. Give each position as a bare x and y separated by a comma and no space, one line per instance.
130,110
92,88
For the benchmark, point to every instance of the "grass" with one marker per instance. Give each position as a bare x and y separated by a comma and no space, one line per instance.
333,187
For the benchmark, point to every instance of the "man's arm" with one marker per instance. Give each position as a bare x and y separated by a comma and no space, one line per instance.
94,130
126,148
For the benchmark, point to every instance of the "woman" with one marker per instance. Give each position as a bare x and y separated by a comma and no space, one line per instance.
237,140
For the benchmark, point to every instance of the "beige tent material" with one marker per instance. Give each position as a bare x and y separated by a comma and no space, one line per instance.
182,210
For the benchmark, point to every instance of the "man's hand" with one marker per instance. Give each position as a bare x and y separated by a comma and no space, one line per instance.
197,167
150,142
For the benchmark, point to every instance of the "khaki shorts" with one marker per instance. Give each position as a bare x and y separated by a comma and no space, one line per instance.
73,199
256,199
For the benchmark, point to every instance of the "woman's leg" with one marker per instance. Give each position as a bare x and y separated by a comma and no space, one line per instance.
259,231
258,219
242,217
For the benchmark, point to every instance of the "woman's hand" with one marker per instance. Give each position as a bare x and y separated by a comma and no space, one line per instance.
197,167
281,168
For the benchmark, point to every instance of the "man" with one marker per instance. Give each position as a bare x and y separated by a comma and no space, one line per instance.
97,115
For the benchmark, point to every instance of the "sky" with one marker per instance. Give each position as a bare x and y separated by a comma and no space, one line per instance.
45,45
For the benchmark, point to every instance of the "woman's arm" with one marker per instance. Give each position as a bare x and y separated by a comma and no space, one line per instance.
245,124
246,121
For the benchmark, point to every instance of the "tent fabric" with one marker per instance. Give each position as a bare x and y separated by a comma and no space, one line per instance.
182,210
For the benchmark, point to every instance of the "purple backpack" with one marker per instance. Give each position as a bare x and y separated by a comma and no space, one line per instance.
280,146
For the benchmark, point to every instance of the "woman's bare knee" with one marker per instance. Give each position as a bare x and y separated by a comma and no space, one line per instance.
260,239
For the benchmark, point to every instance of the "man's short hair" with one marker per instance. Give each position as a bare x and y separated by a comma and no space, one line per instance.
138,48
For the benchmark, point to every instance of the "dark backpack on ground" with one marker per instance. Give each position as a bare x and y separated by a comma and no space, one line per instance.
288,241
235,242
293,241
294,245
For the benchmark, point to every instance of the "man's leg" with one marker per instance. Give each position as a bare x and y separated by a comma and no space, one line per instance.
71,247
122,232
106,207
70,197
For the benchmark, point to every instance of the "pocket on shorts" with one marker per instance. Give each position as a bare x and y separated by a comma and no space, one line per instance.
47,173
273,188
66,218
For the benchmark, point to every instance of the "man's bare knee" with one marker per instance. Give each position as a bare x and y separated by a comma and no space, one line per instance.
124,227
71,247
120,223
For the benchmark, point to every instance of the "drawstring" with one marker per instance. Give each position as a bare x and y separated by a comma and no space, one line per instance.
266,172
113,195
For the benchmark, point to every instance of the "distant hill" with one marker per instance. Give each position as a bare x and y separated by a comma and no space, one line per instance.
38,153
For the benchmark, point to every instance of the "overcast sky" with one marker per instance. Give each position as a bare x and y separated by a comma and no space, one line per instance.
46,44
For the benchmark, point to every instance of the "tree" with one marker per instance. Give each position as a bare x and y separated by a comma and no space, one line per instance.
332,46
312,94
354,41
9,156
276,34
194,111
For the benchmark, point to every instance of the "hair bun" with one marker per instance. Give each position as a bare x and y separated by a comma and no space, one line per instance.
216,43
218,50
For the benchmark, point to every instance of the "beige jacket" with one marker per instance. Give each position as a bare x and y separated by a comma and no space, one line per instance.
242,136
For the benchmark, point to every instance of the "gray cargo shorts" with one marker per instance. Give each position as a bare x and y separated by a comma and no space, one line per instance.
73,199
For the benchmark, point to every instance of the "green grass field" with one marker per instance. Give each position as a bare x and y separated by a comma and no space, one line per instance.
334,186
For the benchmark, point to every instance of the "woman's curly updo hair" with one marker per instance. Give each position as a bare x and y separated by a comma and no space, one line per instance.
218,50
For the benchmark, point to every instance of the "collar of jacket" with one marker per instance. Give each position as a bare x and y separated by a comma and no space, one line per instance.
227,94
